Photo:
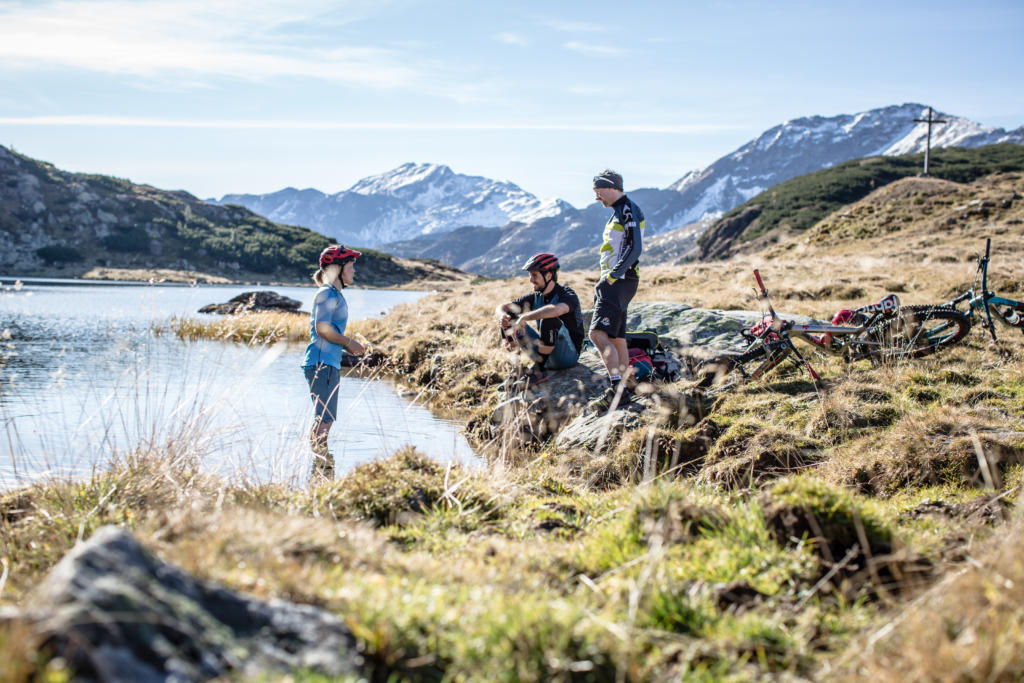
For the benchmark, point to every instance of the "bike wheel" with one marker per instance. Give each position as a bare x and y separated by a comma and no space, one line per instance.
917,331
724,372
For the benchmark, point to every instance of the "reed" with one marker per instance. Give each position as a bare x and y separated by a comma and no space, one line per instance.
260,327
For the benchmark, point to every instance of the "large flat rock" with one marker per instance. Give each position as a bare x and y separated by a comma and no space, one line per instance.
557,408
684,328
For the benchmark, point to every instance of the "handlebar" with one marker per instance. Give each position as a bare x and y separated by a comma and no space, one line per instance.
781,327
760,282
764,293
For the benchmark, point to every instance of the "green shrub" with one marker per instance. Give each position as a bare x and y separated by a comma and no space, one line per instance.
55,254
803,201
127,240
107,182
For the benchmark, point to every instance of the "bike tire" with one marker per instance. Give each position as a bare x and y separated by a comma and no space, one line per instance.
918,331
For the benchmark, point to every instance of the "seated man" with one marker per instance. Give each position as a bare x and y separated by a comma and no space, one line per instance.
558,341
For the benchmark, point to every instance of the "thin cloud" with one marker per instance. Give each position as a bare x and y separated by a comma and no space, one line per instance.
188,38
512,39
573,26
139,122
590,90
592,50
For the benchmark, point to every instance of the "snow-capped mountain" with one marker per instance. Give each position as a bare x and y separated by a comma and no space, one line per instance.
406,202
809,144
688,206
410,209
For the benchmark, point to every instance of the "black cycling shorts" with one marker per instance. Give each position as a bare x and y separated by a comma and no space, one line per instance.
610,302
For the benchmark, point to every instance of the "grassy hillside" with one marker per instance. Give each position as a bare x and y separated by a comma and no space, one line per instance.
797,204
867,528
55,222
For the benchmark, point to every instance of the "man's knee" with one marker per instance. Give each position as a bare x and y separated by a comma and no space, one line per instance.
598,336
548,330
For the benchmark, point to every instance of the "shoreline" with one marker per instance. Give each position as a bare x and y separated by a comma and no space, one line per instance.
189,278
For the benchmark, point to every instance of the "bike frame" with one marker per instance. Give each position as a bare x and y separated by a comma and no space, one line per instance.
785,330
984,300
773,338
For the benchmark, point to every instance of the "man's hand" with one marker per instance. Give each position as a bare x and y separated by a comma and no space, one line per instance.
510,337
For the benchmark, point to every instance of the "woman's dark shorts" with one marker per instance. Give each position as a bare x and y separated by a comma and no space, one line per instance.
323,390
610,302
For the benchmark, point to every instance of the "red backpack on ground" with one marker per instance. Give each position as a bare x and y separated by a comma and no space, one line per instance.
643,366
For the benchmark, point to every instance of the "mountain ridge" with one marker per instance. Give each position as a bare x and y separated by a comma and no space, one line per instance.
797,204
788,150
408,201
59,223
806,144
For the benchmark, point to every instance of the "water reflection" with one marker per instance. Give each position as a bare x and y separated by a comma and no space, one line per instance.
82,377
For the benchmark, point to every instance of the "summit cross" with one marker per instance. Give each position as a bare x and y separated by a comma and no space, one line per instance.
928,145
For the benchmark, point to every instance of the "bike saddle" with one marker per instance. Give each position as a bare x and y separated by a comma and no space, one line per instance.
889,305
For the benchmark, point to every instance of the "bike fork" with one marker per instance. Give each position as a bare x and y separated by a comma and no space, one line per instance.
804,361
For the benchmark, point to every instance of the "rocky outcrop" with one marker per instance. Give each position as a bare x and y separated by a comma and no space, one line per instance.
594,431
254,301
536,414
56,223
115,612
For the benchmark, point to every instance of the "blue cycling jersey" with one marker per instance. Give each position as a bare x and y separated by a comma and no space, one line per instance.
329,306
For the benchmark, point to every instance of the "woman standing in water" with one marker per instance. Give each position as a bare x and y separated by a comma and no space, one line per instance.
322,364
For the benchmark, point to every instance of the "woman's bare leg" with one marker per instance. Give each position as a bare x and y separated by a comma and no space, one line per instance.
323,461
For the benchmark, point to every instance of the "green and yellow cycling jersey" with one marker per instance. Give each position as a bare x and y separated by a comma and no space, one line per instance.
623,241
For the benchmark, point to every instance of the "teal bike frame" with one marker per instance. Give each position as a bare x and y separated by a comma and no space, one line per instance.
979,299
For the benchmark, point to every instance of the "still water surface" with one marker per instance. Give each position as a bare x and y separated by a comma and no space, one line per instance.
82,376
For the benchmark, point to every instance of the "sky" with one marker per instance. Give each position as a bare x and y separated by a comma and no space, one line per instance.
251,96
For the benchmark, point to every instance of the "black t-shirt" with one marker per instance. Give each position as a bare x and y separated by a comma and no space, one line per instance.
560,294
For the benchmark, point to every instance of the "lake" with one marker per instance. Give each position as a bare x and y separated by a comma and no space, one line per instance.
82,377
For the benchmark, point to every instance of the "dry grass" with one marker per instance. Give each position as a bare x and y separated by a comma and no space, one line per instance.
952,423
248,328
968,627
682,550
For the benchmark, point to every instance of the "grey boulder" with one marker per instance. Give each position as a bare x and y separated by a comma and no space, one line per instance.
115,612
254,301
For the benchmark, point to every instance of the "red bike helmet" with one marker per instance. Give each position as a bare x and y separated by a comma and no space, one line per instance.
543,262
337,253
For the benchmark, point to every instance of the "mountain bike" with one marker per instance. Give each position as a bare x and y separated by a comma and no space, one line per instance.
881,332
979,298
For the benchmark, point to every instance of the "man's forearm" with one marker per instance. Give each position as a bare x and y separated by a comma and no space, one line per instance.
548,311
510,309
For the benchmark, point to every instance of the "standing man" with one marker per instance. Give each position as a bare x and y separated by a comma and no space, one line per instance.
557,341
620,255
